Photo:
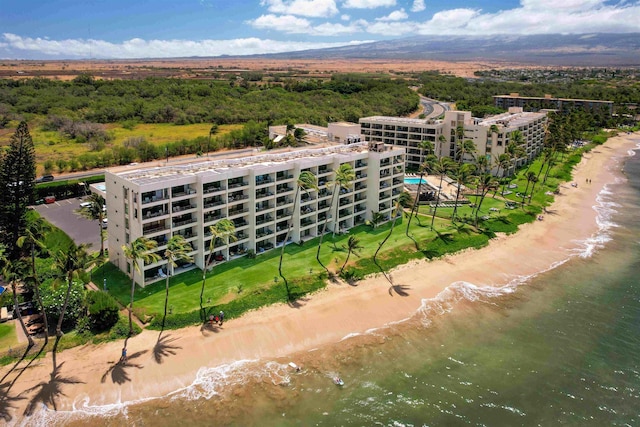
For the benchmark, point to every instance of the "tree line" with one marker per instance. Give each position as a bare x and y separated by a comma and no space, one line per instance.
167,100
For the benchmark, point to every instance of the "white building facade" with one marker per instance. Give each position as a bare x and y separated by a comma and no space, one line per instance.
443,134
255,193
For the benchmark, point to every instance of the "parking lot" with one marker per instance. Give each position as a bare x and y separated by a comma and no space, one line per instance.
63,214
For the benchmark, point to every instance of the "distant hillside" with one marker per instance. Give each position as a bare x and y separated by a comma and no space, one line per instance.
549,49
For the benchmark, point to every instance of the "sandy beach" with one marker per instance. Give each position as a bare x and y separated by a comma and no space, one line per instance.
330,315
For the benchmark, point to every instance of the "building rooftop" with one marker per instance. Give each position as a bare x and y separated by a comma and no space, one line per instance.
163,173
552,98
511,119
400,120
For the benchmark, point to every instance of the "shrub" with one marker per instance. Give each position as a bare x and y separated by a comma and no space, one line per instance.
121,329
103,311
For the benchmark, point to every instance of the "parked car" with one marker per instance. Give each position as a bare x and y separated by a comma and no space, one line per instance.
50,199
85,205
105,222
45,178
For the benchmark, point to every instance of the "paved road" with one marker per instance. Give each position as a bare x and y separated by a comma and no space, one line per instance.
62,214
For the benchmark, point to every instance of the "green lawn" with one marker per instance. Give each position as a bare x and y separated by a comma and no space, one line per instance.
8,337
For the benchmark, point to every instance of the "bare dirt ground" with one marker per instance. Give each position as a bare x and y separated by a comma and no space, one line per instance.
214,67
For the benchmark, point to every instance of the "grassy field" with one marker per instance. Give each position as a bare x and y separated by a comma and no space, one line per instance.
51,145
8,337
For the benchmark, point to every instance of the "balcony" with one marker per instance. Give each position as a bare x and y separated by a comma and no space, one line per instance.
262,219
306,210
153,228
236,197
151,213
283,188
182,191
360,186
263,206
359,208
213,202
239,222
263,179
237,211
181,222
281,201
281,176
212,188
236,183
361,175
262,232
344,212
212,217
154,196
263,194
285,213
360,164
182,207
324,193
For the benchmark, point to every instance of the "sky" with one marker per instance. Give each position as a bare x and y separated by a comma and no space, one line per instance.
81,29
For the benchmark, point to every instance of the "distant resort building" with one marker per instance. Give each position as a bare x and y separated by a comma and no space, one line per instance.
409,133
256,193
535,103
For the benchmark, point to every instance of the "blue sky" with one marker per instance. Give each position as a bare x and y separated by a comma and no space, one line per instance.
78,29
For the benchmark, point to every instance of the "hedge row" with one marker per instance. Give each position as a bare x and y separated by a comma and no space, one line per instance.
65,189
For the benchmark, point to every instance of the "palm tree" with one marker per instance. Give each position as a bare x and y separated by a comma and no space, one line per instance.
33,235
416,201
95,211
440,167
502,162
224,230
343,179
306,181
212,131
11,276
425,145
531,176
177,250
534,180
441,139
353,247
376,219
486,182
463,176
138,250
467,147
397,210
514,147
70,263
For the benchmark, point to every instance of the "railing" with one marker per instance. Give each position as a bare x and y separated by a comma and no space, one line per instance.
152,199
149,215
238,197
184,222
237,184
212,189
283,177
183,208
283,189
213,204
154,229
238,211
263,194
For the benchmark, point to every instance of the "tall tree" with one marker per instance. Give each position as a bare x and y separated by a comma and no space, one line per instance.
138,250
34,234
531,176
70,264
439,167
462,175
95,211
397,211
306,182
416,201
343,179
177,250
486,182
17,179
224,230
353,247
11,276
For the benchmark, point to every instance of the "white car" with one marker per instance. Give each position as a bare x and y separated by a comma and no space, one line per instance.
85,205
105,222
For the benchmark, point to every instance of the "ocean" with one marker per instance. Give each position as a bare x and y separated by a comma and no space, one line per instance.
561,347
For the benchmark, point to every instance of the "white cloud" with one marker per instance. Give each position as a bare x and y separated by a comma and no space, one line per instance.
345,17
284,23
20,47
392,28
538,17
310,8
396,15
368,4
418,6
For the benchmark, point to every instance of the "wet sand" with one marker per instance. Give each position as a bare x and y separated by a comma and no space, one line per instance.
330,315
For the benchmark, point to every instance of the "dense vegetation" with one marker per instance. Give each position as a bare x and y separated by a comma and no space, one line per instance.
157,100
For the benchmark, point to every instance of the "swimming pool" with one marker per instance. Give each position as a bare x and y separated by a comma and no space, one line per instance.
415,181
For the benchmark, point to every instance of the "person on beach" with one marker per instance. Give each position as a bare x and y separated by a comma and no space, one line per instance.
221,317
123,357
211,319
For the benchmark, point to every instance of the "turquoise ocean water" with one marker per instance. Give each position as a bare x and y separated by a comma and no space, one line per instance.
559,348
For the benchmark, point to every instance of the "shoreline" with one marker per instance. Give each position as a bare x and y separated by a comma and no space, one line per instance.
327,317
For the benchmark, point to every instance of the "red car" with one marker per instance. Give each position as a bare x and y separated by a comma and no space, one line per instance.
50,199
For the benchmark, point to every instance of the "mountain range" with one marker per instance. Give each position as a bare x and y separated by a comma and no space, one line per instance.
597,49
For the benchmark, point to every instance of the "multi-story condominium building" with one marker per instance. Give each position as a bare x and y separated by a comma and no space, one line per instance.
445,134
536,103
256,193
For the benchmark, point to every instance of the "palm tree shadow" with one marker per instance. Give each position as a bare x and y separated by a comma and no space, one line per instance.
298,302
209,327
384,273
7,402
399,289
47,392
118,370
6,399
164,348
